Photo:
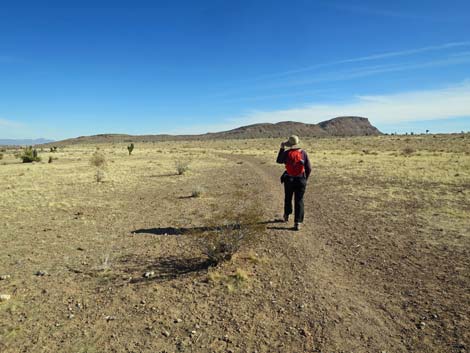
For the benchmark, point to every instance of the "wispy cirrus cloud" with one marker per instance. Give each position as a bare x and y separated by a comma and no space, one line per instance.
398,14
444,103
344,75
451,53
384,55
461,58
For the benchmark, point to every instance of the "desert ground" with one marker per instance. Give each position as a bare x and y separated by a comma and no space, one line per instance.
382,263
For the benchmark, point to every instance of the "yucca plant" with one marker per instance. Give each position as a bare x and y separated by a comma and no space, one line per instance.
30,155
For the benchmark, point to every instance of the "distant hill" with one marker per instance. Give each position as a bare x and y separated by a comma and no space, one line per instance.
341,126
24,142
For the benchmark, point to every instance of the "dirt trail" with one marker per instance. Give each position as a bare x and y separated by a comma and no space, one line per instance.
334,307
357,288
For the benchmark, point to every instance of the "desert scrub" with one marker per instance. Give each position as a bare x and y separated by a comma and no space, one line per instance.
197,191
408,151
130,148
181,167
236,225
1,155
98,159
100,175
232,281
30,155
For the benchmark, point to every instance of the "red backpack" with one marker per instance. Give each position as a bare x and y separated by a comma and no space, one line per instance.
295,163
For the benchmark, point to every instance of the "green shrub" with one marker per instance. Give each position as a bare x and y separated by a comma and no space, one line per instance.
1,155
130,148
30,155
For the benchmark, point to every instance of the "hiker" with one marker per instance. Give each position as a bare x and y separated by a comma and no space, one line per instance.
295,177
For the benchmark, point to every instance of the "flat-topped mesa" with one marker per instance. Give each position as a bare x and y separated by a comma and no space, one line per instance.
340,126
349,126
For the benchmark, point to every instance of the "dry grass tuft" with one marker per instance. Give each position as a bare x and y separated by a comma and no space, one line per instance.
100,175
181,167
232,281
197,191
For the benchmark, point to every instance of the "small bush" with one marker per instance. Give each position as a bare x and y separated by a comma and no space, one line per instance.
30,155
408,151
181,167
1,155
197,191
98,159
130,148
100,175
238,224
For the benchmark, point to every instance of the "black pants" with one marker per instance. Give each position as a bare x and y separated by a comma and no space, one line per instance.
295,186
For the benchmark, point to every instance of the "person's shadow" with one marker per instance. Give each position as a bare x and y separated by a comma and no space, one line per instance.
278,221
176,231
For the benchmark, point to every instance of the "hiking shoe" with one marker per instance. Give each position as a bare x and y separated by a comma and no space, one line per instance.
286,218
297,226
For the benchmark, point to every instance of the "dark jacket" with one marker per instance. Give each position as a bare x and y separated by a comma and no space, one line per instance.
282,159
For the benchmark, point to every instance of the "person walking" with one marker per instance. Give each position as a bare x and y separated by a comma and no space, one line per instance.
298,169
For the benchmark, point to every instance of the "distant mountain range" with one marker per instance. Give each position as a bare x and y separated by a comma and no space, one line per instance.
23,142
340,126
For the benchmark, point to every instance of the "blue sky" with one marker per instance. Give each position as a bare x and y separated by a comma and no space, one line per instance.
70,68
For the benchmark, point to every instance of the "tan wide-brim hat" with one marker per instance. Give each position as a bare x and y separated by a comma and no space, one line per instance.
293,141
